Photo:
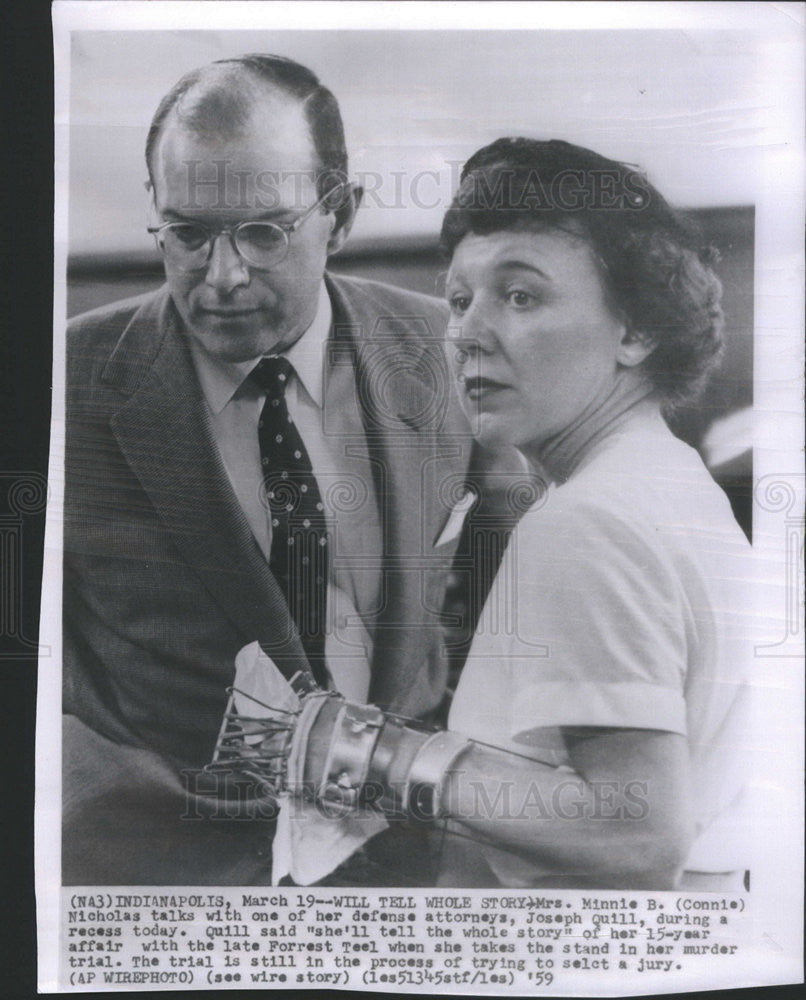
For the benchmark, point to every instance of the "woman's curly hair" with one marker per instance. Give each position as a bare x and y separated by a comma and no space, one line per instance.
658,274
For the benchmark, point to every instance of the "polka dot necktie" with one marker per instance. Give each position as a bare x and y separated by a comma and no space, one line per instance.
299,542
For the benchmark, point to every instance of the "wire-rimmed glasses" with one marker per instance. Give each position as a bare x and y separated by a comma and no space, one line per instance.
188,246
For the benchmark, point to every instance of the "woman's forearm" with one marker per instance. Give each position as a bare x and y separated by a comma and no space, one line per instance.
618,815
619,825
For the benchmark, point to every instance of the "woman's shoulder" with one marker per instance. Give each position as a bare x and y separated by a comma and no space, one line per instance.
643,502
644,474
644,488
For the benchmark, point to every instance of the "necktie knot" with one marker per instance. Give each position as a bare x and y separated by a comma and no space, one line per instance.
272,375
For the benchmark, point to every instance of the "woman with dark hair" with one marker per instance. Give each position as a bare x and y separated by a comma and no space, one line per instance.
582,310
595,735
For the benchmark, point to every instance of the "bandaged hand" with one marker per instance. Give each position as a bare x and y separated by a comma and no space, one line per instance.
316,746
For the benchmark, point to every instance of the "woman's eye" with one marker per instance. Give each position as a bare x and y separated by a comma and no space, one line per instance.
459,304
519,298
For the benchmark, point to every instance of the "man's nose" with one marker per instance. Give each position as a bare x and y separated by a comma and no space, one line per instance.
226,269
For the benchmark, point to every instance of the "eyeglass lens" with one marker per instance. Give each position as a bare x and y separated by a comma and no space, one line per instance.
187,246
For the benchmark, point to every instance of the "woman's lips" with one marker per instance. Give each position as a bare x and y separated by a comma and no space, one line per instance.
476,387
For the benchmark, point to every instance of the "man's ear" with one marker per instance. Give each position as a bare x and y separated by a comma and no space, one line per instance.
634,347
345,217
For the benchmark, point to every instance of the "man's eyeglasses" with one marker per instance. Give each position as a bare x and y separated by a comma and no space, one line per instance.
188,246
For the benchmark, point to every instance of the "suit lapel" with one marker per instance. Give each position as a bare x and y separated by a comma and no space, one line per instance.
419,458
408,408
163,433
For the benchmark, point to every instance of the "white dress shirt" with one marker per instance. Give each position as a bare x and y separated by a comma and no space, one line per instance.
334,438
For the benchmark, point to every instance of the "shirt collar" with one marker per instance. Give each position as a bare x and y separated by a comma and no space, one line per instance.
307,354
220,380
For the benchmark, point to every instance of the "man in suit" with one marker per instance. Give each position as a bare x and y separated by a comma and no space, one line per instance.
172,554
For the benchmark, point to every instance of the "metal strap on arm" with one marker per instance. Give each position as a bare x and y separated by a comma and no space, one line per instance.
425,782
355,734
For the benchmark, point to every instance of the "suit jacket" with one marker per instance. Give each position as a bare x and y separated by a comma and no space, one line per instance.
164,583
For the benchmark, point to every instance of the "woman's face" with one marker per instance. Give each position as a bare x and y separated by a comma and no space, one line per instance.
532,338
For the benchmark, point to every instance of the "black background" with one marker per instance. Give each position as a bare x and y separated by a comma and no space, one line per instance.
26,254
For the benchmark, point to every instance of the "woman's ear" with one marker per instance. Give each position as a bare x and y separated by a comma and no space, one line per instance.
345,217
634,347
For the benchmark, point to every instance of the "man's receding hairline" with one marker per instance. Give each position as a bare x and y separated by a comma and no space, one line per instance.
257,84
